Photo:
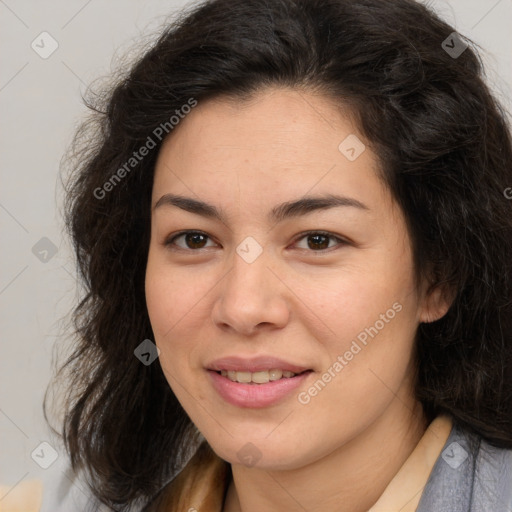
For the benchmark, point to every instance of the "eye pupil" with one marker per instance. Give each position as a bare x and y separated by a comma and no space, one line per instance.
195,240
320,242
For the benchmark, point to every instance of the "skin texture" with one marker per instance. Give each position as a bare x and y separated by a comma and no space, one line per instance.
305,305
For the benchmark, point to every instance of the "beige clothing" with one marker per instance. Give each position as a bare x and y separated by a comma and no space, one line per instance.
26,496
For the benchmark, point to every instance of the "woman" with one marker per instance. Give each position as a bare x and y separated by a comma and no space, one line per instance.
297,249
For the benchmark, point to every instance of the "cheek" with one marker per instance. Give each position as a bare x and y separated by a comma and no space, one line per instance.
166,306
176,302
369,321
167,301
171,295
376,348
369,357
354,300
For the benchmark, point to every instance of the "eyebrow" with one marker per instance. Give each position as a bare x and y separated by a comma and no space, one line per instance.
300,207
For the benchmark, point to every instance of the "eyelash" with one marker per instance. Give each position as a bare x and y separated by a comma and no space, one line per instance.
170,241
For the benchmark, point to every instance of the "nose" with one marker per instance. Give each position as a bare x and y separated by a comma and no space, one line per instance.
251,298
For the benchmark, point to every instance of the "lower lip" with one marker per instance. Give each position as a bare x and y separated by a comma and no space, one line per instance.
255,395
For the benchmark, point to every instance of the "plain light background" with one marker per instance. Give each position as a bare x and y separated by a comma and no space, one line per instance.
40,106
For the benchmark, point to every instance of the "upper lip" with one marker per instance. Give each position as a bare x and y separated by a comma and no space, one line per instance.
253,364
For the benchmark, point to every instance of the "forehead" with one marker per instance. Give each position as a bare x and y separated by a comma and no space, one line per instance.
279,142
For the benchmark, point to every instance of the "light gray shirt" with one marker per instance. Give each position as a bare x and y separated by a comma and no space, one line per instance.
466,481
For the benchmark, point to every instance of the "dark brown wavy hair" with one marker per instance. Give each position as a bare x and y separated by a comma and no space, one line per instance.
445,151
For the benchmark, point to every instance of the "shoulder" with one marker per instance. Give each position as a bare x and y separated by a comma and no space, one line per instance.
492,483
470,475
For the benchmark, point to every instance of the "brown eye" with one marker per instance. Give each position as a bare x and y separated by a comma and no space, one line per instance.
319,241
192,239
195,240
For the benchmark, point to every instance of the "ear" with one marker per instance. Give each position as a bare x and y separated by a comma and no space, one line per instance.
436,303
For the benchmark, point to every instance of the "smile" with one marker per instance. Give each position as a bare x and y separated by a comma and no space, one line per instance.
252,394
261,377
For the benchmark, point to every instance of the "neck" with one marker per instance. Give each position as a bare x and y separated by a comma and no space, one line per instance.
354,475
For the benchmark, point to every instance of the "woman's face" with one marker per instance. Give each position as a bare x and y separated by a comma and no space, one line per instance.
262,281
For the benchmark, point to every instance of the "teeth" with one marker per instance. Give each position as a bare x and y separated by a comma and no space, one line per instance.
275,374
257,377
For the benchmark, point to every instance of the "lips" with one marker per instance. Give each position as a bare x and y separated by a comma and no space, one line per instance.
256,396
254,364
